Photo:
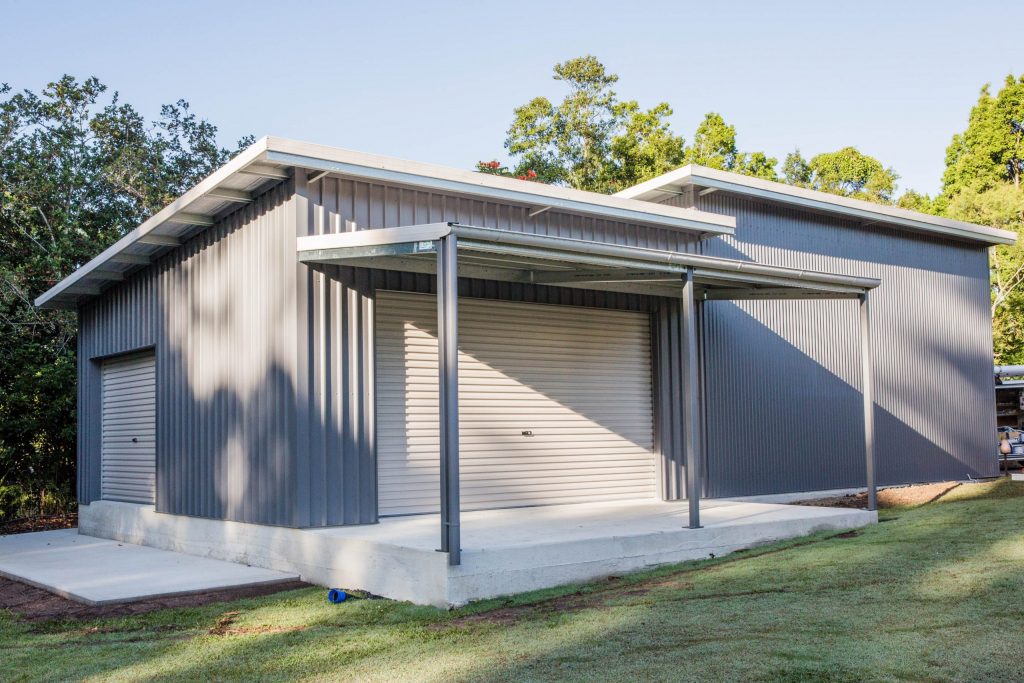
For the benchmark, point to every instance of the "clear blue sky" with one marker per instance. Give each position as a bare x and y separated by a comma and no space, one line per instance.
436,81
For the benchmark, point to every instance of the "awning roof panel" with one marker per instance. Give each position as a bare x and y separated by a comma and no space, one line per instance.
510,256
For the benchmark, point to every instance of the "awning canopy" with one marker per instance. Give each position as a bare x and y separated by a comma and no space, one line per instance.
508,256
450,250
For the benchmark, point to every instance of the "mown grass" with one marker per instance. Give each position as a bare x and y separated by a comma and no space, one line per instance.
931,594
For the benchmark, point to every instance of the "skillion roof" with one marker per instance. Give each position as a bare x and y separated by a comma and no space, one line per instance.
713,180
271,160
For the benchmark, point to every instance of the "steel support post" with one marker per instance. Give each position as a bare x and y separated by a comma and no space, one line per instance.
691,399
448,393
868,392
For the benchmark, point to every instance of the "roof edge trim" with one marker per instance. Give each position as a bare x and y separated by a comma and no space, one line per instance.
700,176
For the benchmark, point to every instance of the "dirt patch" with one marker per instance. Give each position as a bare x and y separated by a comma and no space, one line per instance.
903,496
35,604
47,523
224,623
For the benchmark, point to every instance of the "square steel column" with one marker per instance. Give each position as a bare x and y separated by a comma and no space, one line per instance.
691,400
868,391
448,393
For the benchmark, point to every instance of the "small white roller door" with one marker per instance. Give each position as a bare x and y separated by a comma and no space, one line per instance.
129,428
556,404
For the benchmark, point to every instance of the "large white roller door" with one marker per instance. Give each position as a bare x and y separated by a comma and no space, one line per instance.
555,404
129,428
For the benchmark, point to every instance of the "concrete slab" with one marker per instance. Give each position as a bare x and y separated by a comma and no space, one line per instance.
503,551
99,572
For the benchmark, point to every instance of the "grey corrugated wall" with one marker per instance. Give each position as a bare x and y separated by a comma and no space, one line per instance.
265,367
783,405
340,304
220,312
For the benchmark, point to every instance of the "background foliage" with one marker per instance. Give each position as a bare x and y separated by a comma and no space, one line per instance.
78,169
591,140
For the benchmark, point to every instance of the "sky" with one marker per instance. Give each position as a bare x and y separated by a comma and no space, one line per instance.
437,81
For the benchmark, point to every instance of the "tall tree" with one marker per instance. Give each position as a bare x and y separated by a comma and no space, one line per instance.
78,169
845,172
982,184
591,140
991,150
714,146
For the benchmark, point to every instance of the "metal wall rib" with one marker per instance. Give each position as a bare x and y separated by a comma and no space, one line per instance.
783,377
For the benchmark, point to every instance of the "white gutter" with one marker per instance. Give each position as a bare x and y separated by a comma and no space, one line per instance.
700,176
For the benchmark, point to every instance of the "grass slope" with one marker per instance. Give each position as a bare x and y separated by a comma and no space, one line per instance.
931,594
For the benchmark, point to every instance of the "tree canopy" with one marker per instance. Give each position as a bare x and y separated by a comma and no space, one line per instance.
982,184
991,149
592,140
714,146
78,169
846,172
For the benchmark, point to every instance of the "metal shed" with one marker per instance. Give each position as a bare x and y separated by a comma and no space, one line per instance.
338,338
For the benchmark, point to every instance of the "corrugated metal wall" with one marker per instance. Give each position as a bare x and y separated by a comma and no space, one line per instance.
242,433
220,312
783,398
340,311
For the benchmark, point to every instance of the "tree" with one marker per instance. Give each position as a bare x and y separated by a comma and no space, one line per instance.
991,150
796,170
913,200
77,171
714,146
591,140
982,184
846,172
850,173
1001,206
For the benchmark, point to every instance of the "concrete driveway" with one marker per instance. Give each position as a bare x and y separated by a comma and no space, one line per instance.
96,571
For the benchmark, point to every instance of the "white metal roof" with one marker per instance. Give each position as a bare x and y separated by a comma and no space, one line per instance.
269,161
700,176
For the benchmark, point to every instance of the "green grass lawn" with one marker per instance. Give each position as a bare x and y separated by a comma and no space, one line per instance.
933,593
